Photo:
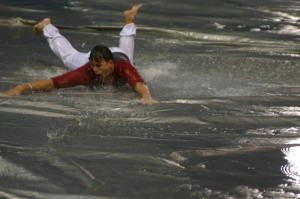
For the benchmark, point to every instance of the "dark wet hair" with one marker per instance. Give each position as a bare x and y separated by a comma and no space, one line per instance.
100,53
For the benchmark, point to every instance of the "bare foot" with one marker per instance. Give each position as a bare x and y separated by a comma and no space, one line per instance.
130,14
38,28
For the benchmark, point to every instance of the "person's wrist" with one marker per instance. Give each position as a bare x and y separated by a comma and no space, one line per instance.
23,87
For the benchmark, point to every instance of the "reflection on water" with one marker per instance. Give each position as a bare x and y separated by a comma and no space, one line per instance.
292,154
292,168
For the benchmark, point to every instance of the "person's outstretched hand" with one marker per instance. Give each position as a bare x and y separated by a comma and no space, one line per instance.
148,100
13,92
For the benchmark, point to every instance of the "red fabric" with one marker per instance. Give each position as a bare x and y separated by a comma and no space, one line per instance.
123,72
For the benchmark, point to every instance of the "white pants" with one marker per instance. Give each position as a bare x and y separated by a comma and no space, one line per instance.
73,59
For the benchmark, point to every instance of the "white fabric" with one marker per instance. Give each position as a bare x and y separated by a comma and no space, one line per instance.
73,59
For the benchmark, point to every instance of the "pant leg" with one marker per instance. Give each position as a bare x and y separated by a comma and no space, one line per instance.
126,42
63,49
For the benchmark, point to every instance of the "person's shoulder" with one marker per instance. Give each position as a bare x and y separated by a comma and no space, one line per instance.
122,64
84,70
85,67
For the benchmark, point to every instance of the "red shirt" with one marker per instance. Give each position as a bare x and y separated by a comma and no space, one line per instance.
123,72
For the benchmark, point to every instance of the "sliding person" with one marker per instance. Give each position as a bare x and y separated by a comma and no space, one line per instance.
101,66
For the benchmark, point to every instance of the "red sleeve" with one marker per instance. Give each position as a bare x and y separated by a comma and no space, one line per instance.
132,75
81,76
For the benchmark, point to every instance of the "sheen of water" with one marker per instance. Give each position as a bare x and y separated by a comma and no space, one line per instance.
225,73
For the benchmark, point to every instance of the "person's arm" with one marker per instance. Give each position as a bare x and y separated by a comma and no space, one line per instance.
144,92
80,76
35,85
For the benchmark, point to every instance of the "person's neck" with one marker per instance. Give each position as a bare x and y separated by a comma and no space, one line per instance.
108,79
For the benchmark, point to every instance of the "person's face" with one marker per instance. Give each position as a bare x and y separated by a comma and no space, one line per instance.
102,68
